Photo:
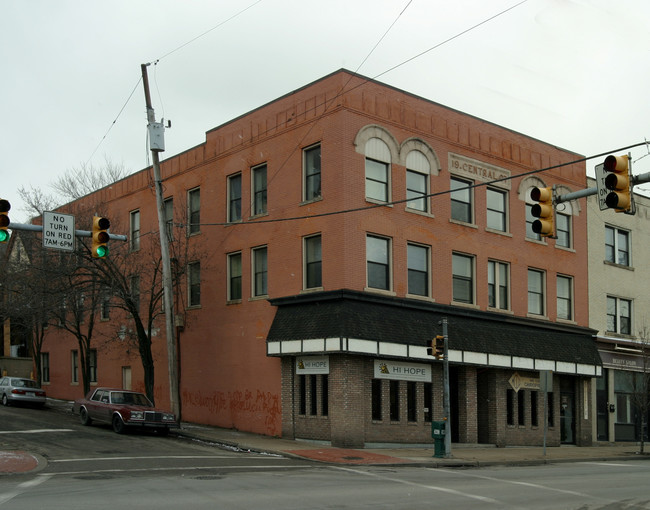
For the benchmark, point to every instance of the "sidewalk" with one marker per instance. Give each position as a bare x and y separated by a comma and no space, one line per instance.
461,455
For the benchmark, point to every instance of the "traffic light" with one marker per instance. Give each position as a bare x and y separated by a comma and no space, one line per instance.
100,237
543,210
437,348
618,181
5,206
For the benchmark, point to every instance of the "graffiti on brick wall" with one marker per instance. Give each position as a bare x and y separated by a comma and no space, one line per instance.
261,407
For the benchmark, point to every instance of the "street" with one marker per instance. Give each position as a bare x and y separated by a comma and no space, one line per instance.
94,467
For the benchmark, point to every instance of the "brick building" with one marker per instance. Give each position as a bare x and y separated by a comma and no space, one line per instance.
335,250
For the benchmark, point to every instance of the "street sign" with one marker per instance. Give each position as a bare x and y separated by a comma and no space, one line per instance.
58,231
519,382
600,186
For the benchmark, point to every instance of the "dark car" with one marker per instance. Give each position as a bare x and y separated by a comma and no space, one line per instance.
122,409
14,390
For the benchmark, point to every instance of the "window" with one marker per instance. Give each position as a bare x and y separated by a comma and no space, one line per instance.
411,401
324,395
194,210
377,170
461,200
313,395
92,365
260,272
534,420
496,209
313,262
417,181
462,268
617,246
510,407
394,400
529,224
311,165
135,292
521,408
378,261
234,277
498,288
563,230
536,292
619,315
376,399
550,409
194,283
134,238
45,367
418,270
428,401
259,190
105,304
565,297
168,207
74,358
234,198
302,392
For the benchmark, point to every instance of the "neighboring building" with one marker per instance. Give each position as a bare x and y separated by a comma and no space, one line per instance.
335,251
619,309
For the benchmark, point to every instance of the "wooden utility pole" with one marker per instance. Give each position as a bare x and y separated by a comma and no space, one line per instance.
157,146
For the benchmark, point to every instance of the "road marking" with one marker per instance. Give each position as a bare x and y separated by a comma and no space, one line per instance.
88,459
170,468
34,431
23,487
608,464
423,486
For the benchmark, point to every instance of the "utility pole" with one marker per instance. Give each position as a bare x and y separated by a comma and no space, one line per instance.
445,402
157,129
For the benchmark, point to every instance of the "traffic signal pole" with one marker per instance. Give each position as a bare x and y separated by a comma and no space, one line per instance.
174,393
445,402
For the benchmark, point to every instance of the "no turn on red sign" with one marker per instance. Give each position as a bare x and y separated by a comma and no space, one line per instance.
58,231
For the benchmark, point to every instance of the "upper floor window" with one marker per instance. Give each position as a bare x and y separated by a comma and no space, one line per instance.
134,238
234,198
194,283
313,262
92,365
617,246
619,315
498,287
497,218
462,270
45,367
417,181
134,288
418,269
536,299
563,230
168,207
378,160
461,200
194,210
564,297
105,304
259,189
312,170
260,271
234,277
378,262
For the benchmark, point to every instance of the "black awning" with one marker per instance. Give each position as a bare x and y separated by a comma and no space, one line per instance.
349,314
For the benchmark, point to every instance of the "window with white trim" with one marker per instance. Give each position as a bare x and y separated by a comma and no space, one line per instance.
313,262
378,262
378,160
619,315
564,297
536,301
498,286
497,218
417,181
461,200
617,246
258,180
462,269
312,173
418,269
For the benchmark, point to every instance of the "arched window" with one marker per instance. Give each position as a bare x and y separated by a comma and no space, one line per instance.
418,170
377,170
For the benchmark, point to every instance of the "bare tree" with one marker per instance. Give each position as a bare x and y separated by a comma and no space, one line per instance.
641,385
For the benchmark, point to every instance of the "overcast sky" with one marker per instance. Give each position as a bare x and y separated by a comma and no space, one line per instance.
573,73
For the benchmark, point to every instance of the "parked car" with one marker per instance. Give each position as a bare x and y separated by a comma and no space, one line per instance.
122,409
15,390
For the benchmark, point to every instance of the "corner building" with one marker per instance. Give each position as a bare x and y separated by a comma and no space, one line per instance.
345,220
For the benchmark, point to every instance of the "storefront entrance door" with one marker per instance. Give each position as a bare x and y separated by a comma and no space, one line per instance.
567,421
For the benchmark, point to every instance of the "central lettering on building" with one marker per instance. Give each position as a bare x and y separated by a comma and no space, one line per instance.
477,170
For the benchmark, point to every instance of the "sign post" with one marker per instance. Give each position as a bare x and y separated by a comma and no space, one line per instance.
58,231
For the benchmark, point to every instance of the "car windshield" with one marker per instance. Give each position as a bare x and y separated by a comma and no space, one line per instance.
132,399
24,383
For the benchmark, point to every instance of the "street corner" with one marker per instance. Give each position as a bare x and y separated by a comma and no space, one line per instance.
16,461
345,456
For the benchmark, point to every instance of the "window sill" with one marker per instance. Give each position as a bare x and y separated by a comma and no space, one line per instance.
565,248
421,298
311,200
378,202
312,289
465,305
500,310
498,232
463,223
426,214
536,241
565,321
536,316
614,264
260,215
233,302
380,291
259,298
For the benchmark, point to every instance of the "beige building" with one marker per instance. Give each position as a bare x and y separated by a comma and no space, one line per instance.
619,309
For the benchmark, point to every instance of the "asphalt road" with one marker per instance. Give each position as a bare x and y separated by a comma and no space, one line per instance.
92,467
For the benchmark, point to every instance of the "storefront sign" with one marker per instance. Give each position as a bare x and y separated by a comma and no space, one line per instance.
385,369
620,361
313,365
477,170
519,382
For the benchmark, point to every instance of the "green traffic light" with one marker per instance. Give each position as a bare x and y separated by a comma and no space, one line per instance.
4,236
101,251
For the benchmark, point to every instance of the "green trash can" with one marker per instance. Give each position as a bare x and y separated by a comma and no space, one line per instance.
438,431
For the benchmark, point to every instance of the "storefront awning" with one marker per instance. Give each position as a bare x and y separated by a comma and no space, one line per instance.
354,322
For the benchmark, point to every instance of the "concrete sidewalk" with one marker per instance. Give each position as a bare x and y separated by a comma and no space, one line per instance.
461,455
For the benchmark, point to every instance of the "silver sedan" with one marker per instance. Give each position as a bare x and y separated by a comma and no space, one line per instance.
17,389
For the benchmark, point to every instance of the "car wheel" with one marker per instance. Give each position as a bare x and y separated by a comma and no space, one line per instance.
163,431
118,424
5,401
85,418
